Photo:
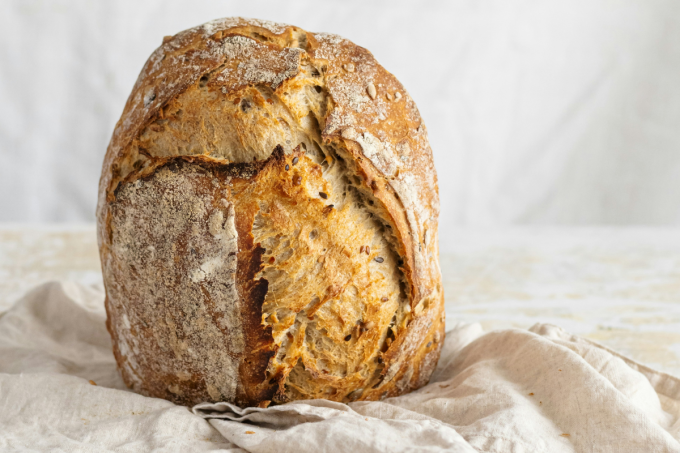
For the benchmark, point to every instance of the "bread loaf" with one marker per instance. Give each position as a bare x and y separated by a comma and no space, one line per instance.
267,223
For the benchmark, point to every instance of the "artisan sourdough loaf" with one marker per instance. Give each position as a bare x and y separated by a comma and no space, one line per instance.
267,223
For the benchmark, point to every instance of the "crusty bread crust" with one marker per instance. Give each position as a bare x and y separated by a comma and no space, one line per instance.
267,222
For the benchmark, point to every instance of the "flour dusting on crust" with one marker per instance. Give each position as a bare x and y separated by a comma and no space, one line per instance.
271,68
174,280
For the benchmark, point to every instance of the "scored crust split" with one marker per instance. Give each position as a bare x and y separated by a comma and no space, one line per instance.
267,223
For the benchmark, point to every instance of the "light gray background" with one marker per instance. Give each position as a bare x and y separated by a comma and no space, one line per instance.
542,112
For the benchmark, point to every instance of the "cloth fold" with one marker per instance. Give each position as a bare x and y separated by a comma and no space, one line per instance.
514,390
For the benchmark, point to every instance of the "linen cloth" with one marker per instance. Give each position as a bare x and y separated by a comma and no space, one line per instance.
536,390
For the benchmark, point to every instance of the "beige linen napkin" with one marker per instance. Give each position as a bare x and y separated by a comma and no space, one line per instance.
536,390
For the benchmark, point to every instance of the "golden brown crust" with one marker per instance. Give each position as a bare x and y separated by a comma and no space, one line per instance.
227,93
253,367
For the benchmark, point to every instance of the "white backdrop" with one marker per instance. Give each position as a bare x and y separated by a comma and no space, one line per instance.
547,112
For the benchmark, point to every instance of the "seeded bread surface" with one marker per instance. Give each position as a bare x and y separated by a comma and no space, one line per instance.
267,223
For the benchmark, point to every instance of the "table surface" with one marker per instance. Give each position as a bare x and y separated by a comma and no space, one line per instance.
617,286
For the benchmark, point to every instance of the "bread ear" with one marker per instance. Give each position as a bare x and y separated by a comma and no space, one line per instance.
267,222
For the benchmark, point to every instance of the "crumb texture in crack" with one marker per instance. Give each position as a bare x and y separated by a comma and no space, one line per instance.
336,295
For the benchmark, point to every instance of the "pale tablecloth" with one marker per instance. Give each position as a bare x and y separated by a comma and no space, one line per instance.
536,390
